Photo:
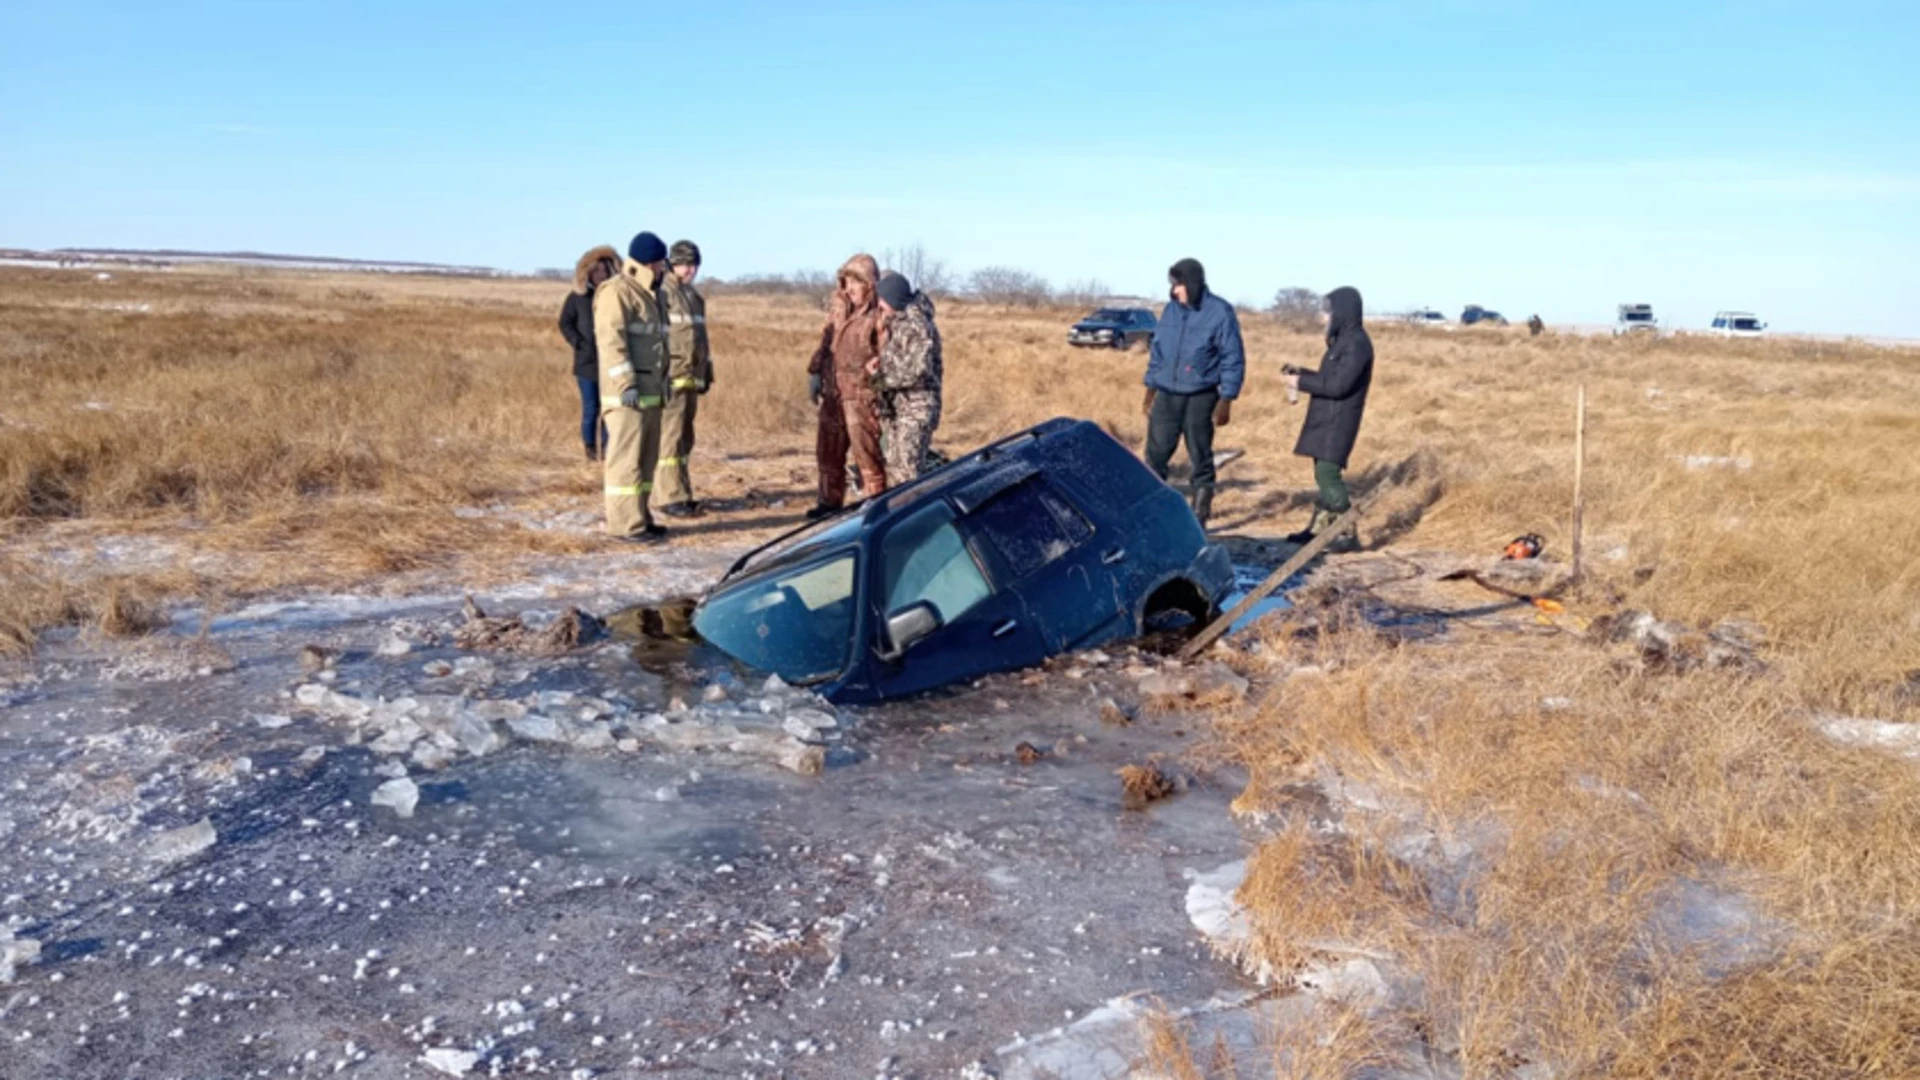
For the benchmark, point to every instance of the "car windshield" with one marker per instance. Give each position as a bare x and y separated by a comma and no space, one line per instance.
1107,315
1746,324
1637,316
796,622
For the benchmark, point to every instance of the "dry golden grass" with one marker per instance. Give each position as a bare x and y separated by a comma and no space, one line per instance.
320,429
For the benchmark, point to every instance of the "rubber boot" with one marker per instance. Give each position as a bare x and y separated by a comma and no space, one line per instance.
1202,503
1305,536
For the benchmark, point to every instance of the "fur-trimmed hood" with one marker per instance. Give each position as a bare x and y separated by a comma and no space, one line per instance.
585,265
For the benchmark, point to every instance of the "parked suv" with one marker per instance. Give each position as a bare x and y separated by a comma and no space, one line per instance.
1635,319
1737,324
1113,328
1052,540
1475,315
1430,318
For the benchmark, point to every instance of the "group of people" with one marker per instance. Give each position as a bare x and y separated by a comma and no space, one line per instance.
638,328
1197,367
642,361
876,380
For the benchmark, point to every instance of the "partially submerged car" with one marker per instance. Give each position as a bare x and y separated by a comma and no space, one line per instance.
1113,328
1050,541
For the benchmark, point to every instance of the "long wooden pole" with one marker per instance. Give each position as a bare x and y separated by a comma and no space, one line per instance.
1341,525
1579,474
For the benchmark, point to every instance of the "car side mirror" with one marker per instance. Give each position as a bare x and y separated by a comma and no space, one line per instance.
909,626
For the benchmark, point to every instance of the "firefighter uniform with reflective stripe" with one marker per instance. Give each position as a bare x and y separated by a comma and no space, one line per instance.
630,330
690,372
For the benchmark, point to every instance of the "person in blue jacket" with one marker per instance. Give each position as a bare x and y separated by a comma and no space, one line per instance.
1194,373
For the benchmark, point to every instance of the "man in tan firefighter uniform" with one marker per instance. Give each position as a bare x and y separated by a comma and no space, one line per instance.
689,374
630,329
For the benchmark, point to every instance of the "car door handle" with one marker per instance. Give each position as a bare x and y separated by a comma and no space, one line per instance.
1006,628
1117,555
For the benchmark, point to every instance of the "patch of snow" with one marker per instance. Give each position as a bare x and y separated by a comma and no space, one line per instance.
1888,735
450,1061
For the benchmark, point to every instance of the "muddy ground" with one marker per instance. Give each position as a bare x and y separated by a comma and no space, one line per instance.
598,885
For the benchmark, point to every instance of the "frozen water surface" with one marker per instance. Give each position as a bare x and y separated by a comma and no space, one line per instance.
600,901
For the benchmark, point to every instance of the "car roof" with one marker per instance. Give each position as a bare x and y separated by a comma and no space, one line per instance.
1056,446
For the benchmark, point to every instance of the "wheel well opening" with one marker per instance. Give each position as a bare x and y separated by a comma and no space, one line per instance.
1176,605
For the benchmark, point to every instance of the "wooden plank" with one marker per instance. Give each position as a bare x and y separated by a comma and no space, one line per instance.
1307,553
1579,474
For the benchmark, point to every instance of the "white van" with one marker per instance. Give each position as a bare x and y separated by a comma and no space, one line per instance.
1736,324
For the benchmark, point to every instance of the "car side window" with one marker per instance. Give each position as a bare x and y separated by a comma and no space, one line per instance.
925,559
1028,526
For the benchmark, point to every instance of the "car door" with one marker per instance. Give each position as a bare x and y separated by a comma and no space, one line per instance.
926,558
1040,543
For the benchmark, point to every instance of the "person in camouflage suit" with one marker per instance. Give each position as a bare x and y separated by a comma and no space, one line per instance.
906,376
690,375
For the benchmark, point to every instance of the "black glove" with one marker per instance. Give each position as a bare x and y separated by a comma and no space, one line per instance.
630,398
813,389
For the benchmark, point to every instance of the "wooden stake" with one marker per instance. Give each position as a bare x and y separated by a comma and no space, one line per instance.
1218,627
1579,474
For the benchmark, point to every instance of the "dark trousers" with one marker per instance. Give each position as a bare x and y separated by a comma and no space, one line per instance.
1175,416
593,433
830,445
1333,487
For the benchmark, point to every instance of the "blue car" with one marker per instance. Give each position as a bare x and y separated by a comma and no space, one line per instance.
1050,541
1114,328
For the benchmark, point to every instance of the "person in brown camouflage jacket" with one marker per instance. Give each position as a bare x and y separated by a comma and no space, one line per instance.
907,376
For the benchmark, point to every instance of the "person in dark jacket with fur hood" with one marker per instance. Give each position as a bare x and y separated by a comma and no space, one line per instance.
1339,392
576,325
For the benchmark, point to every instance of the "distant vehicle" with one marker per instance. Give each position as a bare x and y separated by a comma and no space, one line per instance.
1635,319
1475,315
1429,317
1113,328
1049,541
1737,324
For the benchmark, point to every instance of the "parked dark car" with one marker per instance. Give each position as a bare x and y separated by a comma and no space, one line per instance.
1475,314
1113,328
1046,542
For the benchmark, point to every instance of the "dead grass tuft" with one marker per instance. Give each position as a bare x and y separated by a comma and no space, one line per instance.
1143,784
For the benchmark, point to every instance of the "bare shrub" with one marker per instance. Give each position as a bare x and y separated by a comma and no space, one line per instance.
924,272
797,283
1084,293
1296,308
1008,286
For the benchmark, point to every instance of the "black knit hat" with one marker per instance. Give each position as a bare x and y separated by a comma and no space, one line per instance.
647,248
684,253
897,291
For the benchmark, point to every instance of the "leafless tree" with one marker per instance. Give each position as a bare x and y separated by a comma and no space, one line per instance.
1297,308
921,269
1010,286
1083,293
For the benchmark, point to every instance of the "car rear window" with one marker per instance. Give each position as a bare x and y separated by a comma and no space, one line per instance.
1028,526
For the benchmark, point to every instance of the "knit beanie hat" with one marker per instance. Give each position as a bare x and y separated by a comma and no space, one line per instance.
647,248
895,290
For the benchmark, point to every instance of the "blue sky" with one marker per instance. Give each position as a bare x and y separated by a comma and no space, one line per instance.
1550,157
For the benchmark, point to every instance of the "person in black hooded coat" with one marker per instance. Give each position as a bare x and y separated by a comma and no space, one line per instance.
1339,392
